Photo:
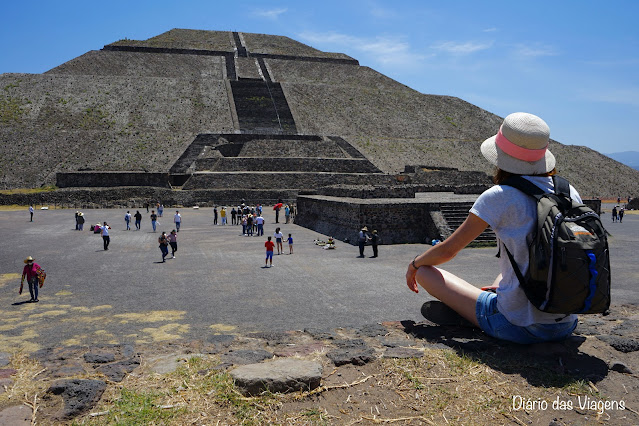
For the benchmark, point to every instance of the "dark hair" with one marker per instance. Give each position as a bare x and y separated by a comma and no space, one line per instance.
500,175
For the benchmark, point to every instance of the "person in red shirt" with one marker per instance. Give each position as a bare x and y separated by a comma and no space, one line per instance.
269,251
31,272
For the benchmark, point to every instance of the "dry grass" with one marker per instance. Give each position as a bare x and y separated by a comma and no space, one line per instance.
47,188
440,388
25,389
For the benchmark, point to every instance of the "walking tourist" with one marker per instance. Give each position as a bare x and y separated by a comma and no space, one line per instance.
172,237
31,213
260,225
154,219
106,239
81,221
290,244
127,219
362,239
620,214
138,219
519,148
160,210
76,220
614,214
215,215
223,215
164,245
233,216
177,219
277,208
35,278
269,251
374,241
278,240
249,225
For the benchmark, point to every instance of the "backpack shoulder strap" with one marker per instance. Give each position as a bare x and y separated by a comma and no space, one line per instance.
525,186
562,187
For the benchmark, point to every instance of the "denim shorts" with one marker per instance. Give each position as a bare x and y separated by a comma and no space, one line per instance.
269,255
493,323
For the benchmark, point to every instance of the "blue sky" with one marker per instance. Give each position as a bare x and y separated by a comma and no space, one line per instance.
573,63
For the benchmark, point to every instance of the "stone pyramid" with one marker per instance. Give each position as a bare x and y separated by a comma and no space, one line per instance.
207,109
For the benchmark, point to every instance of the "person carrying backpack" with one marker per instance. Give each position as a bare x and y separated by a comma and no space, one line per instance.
519,151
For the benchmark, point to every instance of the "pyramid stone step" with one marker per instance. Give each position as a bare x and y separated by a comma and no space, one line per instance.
339,165
298,180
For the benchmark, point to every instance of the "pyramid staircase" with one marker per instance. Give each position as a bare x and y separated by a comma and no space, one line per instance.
262,107
454,214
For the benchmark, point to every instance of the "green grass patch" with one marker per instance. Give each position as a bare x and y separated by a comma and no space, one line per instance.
46,188
139,408
95,117
11,109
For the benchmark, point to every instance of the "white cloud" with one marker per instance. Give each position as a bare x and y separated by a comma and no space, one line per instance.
382,13
625,96
270,14
385,50
466,48
534,51
490,30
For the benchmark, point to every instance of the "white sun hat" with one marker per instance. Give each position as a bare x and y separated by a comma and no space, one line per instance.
520,146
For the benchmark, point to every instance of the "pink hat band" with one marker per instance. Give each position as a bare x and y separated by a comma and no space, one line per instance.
517,151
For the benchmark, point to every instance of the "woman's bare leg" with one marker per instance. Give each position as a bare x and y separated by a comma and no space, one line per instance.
450,289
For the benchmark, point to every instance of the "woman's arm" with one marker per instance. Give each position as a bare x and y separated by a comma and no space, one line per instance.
472,227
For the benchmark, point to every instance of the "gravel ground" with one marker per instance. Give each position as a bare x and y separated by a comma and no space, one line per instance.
217,283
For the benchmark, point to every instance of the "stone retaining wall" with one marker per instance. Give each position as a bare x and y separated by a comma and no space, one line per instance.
341,165
449,177
293,148
397,191
137,196
595,205
397,222
102,179
266,180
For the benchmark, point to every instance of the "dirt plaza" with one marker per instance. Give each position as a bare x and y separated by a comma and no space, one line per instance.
217,282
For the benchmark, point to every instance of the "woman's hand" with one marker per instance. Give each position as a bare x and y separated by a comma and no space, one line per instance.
447,249
411,282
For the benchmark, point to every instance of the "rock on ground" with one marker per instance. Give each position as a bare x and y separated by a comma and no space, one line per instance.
282,375
16,416
79,395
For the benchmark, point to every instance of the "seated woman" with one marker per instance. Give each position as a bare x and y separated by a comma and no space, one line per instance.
519,148
330,244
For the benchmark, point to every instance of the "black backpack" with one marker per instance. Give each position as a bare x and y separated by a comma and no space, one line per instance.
569,263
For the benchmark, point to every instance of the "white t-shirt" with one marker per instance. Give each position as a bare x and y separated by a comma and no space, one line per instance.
278,235
259,220
177,218
513,216
104,230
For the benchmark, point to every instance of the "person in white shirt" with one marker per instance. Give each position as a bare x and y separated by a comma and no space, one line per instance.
106,239
127,219
519,148
278,240
178,220
260,225
31,213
